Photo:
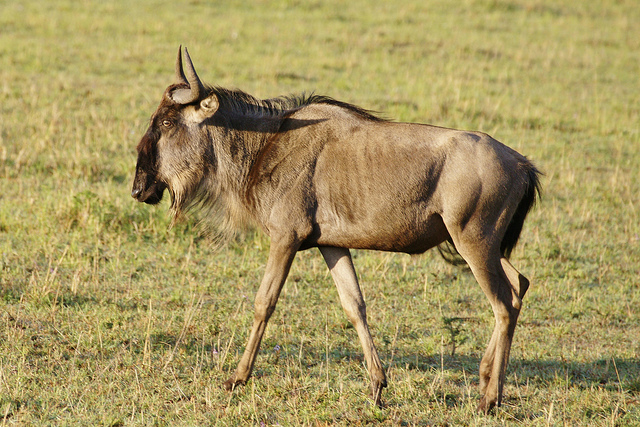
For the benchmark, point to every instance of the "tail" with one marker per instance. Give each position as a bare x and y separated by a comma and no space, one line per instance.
531,194
510,240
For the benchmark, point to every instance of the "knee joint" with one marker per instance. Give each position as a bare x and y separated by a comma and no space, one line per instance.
263,311
516,303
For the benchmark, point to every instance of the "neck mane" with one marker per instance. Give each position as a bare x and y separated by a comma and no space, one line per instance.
244,104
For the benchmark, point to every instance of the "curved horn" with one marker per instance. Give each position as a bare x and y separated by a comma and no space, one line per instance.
194,81
180,78
196,88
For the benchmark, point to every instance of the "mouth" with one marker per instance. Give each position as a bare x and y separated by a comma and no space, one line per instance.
151,195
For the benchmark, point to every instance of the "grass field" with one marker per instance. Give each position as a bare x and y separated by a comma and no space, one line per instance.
108,317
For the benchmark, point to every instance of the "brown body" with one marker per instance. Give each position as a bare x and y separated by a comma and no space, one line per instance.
316,172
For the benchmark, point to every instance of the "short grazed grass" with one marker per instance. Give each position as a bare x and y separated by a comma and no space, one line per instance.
108,317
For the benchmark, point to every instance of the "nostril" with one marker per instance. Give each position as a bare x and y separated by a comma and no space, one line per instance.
135,193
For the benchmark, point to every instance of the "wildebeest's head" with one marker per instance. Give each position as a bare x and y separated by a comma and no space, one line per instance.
173,153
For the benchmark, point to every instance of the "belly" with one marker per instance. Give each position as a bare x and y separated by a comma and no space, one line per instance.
406,232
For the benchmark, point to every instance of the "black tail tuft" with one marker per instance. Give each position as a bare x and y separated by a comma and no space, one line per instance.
528,201
450,254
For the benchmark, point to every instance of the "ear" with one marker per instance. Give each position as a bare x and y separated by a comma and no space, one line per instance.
209,105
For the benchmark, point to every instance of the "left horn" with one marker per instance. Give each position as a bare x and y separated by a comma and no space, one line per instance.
180,78
196,88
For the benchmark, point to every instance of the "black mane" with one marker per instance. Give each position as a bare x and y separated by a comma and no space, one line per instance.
246,104
321,99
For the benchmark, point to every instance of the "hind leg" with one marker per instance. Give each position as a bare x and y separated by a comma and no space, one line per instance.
519,285
518,281
503,286
506,305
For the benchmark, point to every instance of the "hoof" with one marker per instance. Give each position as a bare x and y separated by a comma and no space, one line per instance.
485,407
376,394
232,383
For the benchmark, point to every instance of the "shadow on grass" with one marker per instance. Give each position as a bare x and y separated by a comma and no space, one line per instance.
611,374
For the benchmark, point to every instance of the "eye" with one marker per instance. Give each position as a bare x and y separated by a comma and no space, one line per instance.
167,123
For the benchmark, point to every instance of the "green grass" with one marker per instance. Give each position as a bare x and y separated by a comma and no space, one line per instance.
107,317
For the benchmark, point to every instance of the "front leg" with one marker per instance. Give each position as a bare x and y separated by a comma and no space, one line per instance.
280,258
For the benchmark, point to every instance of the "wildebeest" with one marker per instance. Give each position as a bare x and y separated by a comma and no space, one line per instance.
315,172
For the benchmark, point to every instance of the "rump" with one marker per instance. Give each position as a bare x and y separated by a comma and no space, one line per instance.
489,190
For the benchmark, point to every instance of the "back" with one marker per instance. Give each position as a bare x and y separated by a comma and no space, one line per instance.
375,182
